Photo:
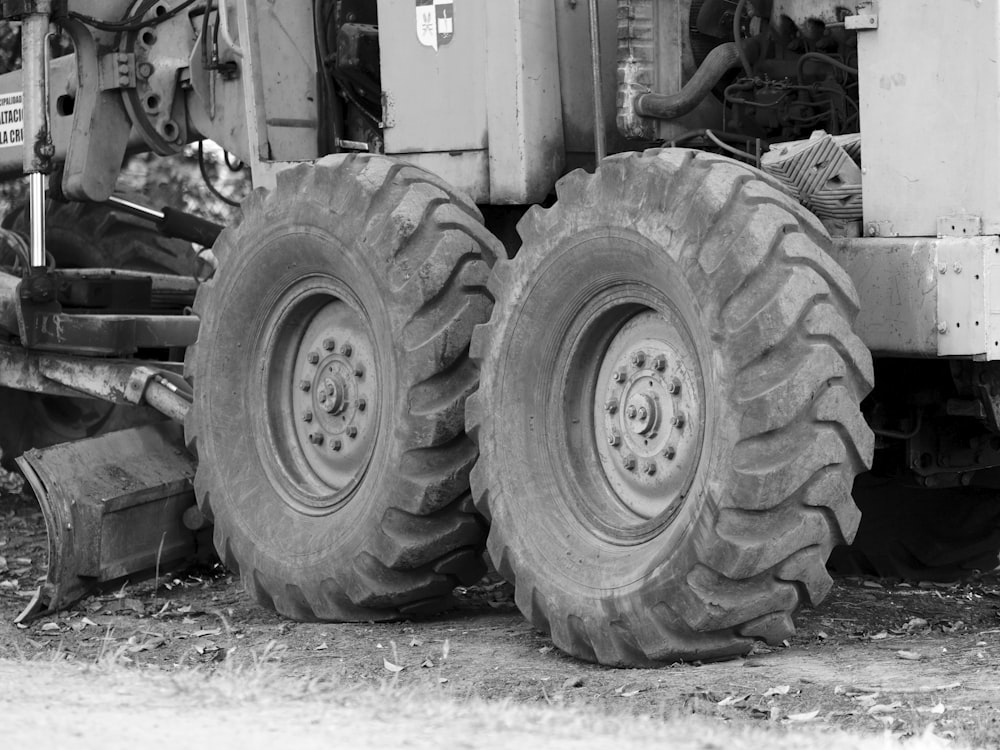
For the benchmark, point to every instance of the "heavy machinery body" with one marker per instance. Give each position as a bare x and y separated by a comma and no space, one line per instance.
670,381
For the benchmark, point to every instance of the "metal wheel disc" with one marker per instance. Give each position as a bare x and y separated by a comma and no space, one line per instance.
321,389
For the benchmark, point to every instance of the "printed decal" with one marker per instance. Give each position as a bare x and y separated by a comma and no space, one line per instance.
435,22
11,119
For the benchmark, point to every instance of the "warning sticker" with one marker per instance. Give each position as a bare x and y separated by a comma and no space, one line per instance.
435,22
11,119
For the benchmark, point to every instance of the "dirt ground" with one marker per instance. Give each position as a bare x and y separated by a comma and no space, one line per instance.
876,656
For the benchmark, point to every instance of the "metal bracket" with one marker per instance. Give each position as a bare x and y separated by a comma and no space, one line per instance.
864,20
116,70
961,225
968,318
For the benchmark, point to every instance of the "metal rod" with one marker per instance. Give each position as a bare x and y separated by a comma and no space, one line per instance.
36,211
143,212
37,148
600,140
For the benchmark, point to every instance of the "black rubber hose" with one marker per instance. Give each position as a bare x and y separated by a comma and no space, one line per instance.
671,106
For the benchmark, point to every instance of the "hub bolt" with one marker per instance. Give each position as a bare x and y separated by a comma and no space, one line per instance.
359,371
659,363
305,385
638,358
611,407
336,445
674,386
313,358
649,468
362,404
631,412
307,416
352,432
614,439
619,376
329,344
315,438
629,463
347,350
677,420
643,414
670,452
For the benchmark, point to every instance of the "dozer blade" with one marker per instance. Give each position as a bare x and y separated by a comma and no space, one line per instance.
113,506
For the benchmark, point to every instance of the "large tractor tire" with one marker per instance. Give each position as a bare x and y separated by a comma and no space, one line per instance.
668,414
331,372
84,235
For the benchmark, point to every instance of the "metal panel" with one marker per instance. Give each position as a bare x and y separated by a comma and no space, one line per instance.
491,88
930,75
925,297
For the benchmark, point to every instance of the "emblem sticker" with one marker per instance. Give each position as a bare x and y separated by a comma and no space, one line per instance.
11,119
435,22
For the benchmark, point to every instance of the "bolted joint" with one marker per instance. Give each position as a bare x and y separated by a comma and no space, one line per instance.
611,407
313,358
677,420
359,371
316,438
362,404
614,439
674,387
638,358
347,350
307,416
336,445
670,452
659,363
352,432
631,412
619,376
649,468
305,386
329,344
629,463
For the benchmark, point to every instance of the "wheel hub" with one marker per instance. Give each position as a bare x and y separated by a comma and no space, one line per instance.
333,407
648,408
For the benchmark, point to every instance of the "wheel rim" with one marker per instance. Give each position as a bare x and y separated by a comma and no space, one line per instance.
321,390
635,374
648,419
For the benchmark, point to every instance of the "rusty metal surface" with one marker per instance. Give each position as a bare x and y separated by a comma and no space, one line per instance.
113,335
113,506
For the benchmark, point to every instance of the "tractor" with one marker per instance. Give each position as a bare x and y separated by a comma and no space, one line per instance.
619,295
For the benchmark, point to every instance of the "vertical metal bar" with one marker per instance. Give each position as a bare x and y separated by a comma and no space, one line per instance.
600,139
37,147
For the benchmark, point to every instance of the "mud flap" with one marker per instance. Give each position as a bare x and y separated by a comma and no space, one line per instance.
113,506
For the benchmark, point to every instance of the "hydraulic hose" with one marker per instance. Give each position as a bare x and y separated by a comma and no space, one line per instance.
671,106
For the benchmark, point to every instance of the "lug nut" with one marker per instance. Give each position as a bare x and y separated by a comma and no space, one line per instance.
352,432
611,407
677,420
629,463
313,358
659,363
307,416
674,386
638,358
315,438
619,376
670,452
305,385
359,371
643,414
329,344
649,468
614,439
336,445
362,404
347,350
630,412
